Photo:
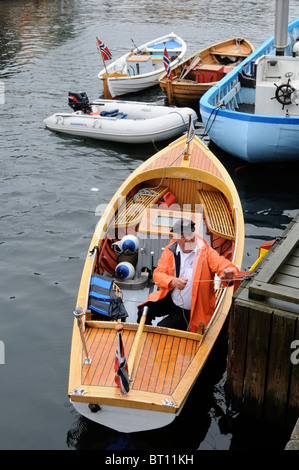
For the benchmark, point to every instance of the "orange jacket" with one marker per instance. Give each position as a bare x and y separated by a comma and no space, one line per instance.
209,262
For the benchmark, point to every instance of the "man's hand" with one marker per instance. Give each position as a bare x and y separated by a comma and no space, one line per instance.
178,283
228,274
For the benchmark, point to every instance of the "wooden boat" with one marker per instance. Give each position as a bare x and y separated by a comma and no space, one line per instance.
163,363
192,77
252,113
120,121
141,67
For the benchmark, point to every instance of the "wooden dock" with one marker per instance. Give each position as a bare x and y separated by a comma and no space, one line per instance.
263,362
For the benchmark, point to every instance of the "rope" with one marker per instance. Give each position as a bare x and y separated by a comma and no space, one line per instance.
142,191
216,110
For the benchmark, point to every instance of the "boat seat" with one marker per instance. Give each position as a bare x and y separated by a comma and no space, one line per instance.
246,80
225,53
218,218
132,213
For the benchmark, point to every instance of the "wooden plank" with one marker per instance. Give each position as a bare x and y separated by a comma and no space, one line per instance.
289,270
287,281
293,260
258,289
163,371
133,210
278,378
282,252
256,362
218,217
237,354
170,379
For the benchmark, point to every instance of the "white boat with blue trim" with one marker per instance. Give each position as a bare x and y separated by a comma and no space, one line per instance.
253,113
141,67
129,122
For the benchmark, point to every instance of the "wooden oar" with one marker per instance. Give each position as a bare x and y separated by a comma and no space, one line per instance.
132,357
78,312
193,63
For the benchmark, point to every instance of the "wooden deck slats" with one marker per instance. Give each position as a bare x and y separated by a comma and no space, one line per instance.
163,361
173,157
218,217
202,161
132,213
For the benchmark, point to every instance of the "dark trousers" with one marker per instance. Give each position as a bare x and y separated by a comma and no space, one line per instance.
177,317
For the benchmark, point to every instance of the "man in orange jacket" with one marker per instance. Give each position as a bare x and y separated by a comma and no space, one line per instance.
185,275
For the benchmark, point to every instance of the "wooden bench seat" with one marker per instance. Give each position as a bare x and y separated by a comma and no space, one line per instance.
132,213
216,211
225,53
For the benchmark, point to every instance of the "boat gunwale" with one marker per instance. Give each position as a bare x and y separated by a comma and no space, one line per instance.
163,77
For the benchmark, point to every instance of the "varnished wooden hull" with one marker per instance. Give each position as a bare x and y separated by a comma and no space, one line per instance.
188,91
167,361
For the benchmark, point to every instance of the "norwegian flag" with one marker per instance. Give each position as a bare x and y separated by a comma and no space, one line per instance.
106,54
121,367
166,61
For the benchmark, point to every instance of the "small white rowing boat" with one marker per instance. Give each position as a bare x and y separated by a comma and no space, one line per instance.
141,68
120,121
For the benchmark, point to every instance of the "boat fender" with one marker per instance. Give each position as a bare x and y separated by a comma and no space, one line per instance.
167,200
125,270
94,408
296,48
128,243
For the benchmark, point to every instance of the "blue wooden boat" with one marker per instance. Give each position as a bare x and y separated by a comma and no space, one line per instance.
253,112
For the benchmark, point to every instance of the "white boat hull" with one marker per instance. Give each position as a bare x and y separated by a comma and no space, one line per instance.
145,122
125,86
268,131
262,140
128,83
125,419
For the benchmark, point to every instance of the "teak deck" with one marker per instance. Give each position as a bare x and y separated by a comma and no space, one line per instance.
163,359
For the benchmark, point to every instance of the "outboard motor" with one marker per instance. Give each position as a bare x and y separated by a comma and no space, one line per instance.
79,102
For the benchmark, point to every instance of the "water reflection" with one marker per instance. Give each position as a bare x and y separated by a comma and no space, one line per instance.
29,29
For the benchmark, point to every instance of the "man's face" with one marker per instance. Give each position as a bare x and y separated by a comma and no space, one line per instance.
187,242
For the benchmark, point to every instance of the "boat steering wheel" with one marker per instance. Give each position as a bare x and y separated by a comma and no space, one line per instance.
284,92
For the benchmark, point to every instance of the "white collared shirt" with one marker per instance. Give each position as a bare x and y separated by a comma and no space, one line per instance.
182,298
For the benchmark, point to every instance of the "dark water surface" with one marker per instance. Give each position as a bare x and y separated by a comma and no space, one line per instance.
47,48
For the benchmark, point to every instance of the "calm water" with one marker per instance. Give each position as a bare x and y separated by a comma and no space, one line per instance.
47,48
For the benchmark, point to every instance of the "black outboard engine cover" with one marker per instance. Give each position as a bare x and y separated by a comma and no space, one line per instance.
79,102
